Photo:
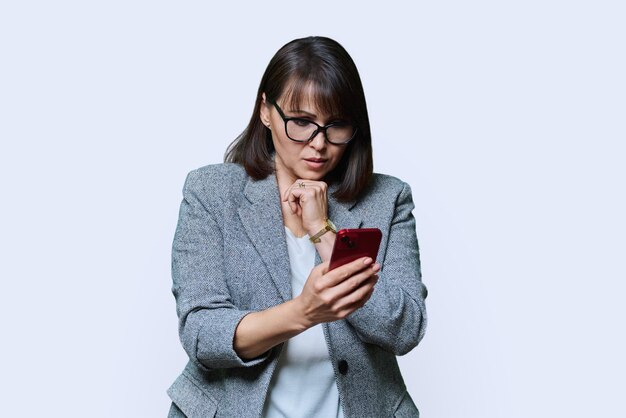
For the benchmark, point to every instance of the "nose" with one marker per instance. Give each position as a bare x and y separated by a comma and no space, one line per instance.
318,142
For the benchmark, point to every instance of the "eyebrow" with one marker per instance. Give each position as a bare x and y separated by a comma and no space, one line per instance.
302,111
313,115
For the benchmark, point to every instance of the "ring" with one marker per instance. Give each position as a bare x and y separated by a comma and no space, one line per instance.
301,184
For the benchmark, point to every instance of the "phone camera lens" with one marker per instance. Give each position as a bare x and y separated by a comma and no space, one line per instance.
347,241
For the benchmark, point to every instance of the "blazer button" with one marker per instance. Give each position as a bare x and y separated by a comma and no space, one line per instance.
343,367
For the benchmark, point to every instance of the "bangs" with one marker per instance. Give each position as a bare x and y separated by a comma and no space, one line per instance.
315,74
325,97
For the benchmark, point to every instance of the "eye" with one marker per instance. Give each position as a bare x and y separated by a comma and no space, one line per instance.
301,122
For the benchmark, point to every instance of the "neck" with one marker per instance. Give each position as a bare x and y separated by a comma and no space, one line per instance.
284,178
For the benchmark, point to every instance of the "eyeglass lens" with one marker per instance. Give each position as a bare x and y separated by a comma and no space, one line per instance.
302,130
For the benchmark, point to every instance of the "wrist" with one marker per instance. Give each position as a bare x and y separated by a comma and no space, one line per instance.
312,227
326,226
298,310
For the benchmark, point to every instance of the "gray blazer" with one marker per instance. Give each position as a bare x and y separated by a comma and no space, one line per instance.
229,258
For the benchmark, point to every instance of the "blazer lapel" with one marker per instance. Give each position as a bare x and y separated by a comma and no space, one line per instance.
263,222
262,219
341,214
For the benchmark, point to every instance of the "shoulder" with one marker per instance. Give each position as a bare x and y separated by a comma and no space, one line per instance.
385,180
386,187
384,196
216,176
216,181
228,172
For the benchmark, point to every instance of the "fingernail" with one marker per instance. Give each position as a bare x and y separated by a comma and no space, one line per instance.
367,261
376,267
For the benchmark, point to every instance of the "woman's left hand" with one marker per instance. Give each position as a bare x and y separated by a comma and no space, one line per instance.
308,200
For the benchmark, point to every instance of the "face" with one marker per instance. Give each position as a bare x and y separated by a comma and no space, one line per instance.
296,160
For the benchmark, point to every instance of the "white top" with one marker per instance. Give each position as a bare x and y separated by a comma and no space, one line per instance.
303,384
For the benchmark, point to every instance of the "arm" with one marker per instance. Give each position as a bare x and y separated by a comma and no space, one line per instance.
260,331
207,316
213,331
327,296
395,316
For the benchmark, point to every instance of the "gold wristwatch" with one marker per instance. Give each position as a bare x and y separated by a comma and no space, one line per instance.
328,226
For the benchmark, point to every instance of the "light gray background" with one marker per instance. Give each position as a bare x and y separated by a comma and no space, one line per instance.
506,118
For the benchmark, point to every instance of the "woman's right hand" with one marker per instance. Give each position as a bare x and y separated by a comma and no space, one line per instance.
331,295
327,296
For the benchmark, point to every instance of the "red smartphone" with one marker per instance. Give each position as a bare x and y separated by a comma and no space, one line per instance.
352,244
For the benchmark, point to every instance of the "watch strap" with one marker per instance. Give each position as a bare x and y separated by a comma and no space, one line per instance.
328,226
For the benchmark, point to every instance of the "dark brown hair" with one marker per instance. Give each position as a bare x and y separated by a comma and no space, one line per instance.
326,65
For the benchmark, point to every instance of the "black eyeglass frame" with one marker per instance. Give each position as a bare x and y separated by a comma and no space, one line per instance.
319,128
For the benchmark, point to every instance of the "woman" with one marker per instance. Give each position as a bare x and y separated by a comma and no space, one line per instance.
269,330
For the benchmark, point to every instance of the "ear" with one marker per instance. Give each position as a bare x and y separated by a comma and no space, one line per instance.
264,113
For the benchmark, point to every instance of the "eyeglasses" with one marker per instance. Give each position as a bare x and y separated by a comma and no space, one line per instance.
304,130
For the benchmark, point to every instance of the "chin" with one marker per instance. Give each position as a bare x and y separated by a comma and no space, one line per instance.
313,175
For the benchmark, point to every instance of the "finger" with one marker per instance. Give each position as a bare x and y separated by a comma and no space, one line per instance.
358,298
290,189
341,273
349,309
304,187
303,194
288,192
311,183
298,185
298,194
353,283
320,269
293,201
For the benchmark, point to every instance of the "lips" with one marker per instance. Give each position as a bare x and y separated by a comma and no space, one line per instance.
315,163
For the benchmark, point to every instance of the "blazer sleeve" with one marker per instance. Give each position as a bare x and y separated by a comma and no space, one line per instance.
395,316
207,316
